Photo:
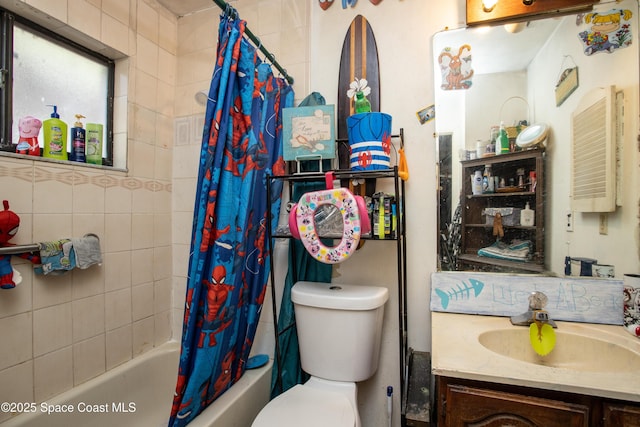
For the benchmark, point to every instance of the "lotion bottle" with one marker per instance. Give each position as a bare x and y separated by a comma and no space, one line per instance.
94,143
527,216
55,136
78,140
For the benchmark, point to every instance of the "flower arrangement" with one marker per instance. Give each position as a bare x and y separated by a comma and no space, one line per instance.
358,85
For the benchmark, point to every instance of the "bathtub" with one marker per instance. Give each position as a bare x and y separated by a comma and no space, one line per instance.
134,394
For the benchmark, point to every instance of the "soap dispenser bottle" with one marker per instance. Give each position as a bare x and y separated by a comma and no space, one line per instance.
78,141
527,216
55,136
502,140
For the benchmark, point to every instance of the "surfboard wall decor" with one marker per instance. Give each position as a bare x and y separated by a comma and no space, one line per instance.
359,60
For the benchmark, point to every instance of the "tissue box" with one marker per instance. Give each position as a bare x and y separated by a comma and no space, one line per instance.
510,216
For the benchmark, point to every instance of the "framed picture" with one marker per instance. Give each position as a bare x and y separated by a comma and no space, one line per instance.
309,132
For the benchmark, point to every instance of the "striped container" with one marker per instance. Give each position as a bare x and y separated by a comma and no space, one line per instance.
370,141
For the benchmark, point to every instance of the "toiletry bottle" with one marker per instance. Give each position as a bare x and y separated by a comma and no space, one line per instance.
527,216
502,140
78,141
488,185
93,147
29,128
55,136
476,183
362,104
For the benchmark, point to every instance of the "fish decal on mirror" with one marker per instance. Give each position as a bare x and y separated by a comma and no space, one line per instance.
461,291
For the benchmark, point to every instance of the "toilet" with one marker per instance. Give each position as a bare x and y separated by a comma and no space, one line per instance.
339,331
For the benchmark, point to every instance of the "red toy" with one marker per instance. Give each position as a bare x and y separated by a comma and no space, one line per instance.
9,224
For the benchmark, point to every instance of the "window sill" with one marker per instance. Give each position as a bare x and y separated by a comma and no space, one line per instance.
60,162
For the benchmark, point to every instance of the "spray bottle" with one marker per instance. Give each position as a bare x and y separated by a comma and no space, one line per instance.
55,136
78,141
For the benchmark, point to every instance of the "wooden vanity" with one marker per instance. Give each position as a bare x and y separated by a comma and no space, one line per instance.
463,402
477,386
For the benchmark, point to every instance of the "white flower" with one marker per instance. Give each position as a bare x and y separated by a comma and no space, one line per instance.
358,85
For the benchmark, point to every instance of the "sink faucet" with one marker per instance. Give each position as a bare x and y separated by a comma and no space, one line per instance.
535,313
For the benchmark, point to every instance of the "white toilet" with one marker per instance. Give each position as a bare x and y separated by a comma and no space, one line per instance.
339,330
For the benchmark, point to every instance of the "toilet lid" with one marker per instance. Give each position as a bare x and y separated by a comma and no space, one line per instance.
309,407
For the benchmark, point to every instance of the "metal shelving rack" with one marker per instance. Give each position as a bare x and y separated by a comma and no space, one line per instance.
400,254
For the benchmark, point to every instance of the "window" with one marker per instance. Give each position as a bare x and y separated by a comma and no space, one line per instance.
41,69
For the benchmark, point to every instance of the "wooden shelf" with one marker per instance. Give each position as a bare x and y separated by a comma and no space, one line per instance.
477,233
500,263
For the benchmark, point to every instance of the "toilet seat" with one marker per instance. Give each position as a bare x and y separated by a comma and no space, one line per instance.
307,406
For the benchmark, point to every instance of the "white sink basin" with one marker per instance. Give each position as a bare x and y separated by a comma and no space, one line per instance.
572,351
592,359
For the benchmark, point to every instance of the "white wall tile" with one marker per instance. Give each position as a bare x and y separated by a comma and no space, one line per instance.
21,379
142,301
52,328
118,309
143,335
16,339
53,373
88,315
88,359
119,345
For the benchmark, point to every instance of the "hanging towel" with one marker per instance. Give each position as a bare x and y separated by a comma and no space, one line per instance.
87,251
57,257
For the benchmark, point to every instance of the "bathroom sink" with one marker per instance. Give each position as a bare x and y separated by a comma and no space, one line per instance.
572,351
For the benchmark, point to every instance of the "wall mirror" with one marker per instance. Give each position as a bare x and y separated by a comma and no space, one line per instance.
510,73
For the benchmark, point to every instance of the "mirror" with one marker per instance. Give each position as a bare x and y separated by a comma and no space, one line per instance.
515,70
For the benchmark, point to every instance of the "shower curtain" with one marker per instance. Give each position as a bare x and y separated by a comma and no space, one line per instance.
228,263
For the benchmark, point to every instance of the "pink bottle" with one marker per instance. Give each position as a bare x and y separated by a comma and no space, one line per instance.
29,128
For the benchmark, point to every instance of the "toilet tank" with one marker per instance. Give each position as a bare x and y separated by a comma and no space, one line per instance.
339,329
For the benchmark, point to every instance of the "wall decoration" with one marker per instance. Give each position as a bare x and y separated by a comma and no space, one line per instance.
346,3
606,31
426,114
456,68
570,298
325,4
308,132
567,81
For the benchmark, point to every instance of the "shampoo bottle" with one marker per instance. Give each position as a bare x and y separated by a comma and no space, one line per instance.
55,136
94,143
527,216
78,140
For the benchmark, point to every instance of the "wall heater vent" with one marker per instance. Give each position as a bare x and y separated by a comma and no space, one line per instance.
593,177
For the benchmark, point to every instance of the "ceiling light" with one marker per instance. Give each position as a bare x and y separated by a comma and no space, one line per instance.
488,5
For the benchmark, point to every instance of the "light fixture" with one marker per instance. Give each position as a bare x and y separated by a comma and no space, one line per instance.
528,2
515,27
488,5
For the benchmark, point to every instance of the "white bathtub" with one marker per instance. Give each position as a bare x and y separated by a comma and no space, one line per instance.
140,392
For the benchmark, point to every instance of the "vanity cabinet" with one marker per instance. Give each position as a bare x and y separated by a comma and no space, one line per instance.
462,402
514,171
621,415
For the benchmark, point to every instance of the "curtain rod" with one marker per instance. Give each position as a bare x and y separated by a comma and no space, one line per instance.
271,57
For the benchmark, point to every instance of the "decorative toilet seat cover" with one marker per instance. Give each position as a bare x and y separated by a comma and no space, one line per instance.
307,406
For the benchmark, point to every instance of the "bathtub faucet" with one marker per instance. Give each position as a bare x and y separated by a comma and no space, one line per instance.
535,313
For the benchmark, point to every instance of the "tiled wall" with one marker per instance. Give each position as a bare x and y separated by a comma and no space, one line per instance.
282,26
57,332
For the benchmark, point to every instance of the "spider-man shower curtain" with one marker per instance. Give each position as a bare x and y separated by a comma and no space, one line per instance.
229,264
